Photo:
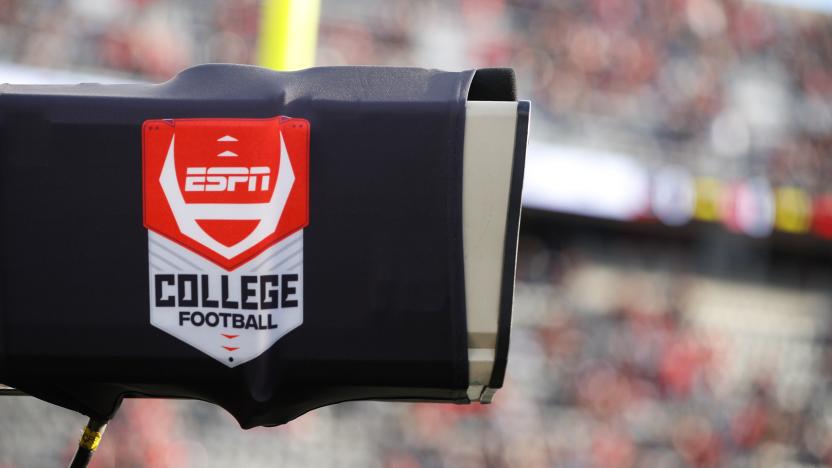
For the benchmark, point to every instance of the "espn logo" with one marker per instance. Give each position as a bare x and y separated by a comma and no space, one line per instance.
226,179
226,189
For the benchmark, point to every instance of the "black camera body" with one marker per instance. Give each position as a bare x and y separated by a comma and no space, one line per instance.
270,242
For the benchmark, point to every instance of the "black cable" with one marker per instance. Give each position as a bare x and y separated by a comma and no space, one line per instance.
88,443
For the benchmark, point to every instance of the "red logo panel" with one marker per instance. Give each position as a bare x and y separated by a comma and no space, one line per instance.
226,189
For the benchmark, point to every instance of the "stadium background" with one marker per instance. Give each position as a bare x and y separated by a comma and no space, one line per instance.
673,300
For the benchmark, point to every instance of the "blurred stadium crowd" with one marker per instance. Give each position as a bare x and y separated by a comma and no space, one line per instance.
730,88
624,353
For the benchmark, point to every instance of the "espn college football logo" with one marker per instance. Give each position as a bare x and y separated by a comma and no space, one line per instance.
225,204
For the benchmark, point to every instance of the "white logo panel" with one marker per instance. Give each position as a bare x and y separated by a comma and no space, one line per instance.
233,316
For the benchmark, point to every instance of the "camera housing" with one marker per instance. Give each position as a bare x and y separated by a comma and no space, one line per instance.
270,242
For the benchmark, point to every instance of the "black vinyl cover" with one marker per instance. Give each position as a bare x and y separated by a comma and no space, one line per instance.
384,314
